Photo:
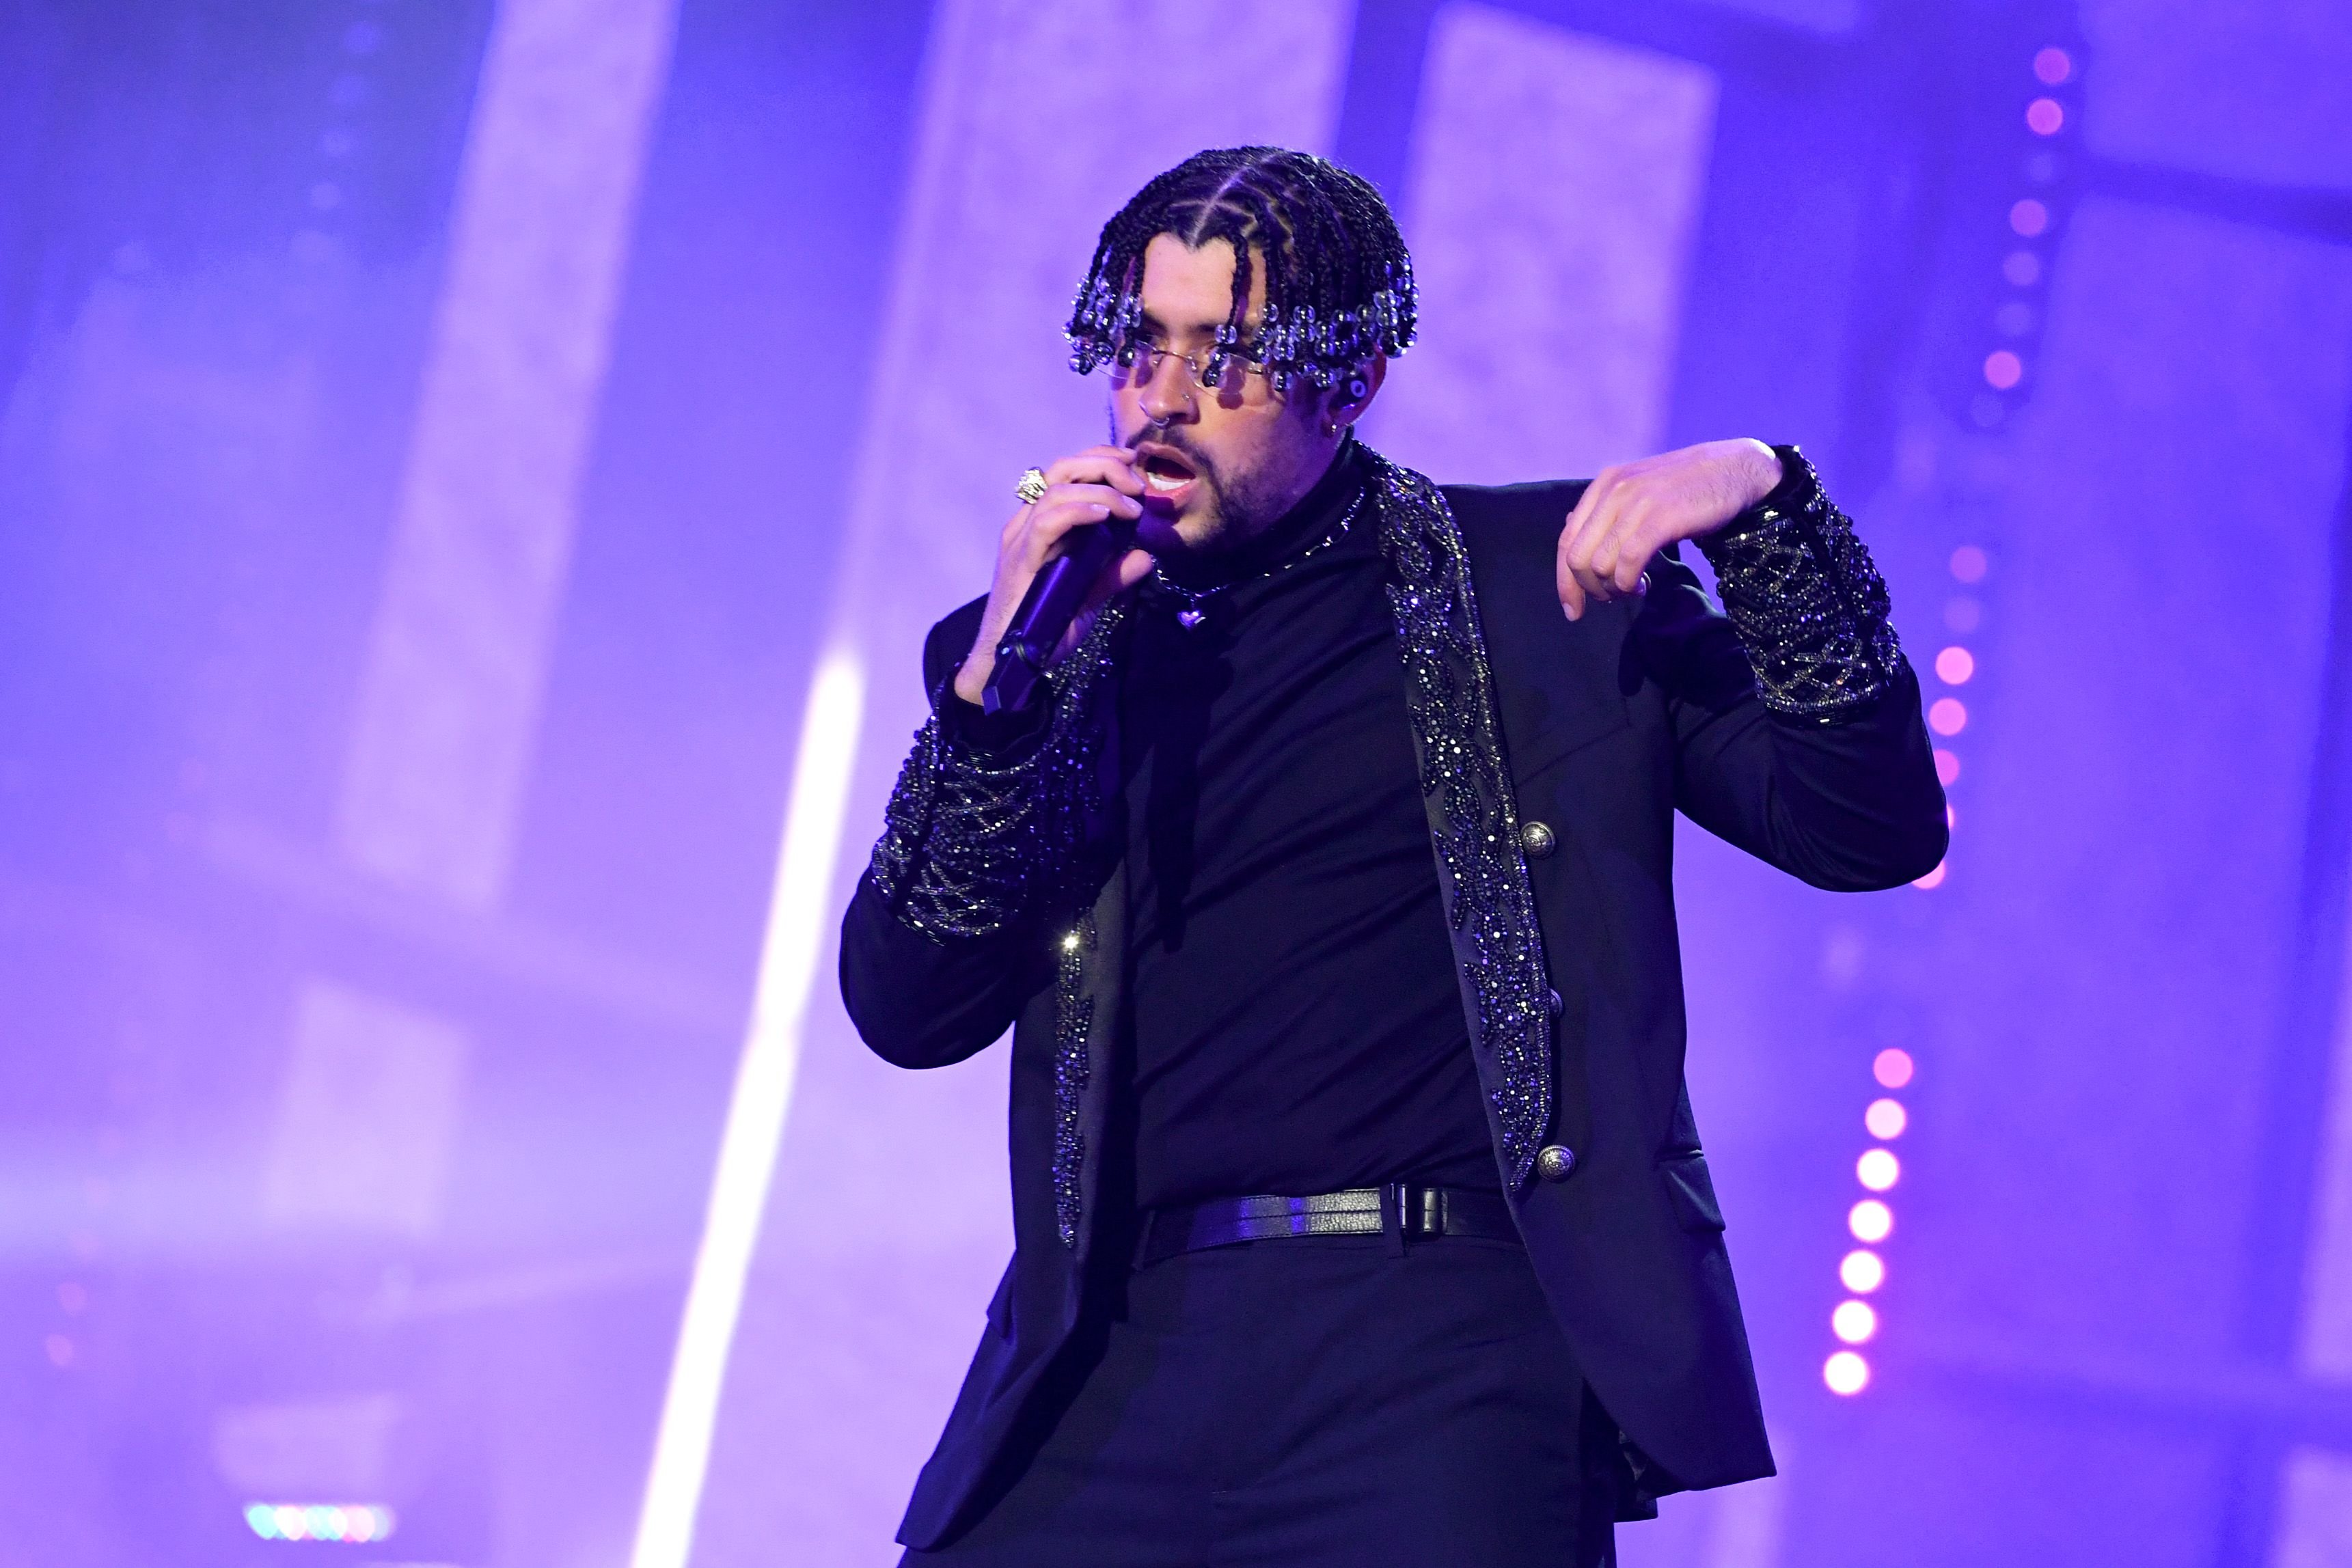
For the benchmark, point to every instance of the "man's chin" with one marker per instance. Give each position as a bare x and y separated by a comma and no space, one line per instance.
1179,531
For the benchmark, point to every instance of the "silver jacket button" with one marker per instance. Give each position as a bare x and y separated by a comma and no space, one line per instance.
1538,839
1554,1161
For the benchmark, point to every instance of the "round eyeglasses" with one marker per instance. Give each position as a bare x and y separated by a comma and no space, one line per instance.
1141,362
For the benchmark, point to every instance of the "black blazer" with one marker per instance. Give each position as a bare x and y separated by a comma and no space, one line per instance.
1611,724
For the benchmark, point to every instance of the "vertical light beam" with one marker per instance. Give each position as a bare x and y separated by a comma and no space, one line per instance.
797,913
547,198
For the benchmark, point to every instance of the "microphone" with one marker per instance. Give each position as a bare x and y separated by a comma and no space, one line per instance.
1046,611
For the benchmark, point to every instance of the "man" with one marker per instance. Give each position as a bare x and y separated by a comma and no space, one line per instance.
1325,885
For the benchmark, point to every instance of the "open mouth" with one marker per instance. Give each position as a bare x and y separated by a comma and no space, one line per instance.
1166,476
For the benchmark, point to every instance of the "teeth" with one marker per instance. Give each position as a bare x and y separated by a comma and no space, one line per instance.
1159,481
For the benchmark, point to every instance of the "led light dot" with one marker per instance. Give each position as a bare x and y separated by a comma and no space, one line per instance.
1947,715
1870,1220
1886,1118
1862,1271
1846,1372
2029,217
2043,116
1892,1067
1955,665
1878,1169
1933,879
1853,1321
2003,370
1947,766
2053,66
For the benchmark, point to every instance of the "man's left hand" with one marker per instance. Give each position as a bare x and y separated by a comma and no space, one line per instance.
1631,512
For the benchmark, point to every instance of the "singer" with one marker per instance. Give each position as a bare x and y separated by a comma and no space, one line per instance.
1324,879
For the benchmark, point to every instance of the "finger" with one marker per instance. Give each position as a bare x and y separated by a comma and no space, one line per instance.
1617,550
1117,498
1113,465
1591,539
1063,508
1571,596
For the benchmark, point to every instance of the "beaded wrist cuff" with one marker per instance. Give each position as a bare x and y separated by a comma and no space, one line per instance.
1806,599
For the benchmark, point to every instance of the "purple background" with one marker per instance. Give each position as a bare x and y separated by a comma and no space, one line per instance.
439,440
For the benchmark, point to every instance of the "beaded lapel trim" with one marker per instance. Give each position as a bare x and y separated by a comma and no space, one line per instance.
1466,783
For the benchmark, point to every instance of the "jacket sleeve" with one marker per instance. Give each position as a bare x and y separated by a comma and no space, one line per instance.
1796,717
937,952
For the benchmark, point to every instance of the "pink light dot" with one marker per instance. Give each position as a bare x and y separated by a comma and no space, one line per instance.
1853,1321
1886,1118
2043,116
1969,563
2053,66
1862,1271
2021,267
2029,217
293,1524
1870,1220
1947,715
2003,370
1892,1068
1878,1169
1947,768
1954,667
1952,816
1846,1372
1933,880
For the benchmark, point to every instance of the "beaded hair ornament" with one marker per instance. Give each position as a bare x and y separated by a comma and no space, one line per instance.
1338,284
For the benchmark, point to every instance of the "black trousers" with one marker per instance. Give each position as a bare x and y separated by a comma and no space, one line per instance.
1309,1401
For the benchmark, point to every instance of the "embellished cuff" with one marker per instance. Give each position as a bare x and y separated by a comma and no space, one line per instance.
954,855
1806,599
983,826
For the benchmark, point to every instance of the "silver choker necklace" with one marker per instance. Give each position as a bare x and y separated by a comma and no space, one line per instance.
1195,602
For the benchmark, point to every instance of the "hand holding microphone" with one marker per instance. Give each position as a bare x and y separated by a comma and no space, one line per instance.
1062,558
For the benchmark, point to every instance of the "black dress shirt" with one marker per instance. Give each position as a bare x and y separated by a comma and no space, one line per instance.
1296,1023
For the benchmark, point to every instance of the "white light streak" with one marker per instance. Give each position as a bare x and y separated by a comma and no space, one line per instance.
755,1116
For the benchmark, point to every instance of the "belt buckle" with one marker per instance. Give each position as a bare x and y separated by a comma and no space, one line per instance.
1396,1215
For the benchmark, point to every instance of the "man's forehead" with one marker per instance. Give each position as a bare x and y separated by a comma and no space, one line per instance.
1187,289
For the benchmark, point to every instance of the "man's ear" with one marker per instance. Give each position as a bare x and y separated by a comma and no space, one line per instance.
1356,390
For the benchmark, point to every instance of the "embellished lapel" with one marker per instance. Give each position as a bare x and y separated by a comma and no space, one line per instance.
1465,786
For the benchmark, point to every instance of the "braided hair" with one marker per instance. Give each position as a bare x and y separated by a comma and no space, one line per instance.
1339,283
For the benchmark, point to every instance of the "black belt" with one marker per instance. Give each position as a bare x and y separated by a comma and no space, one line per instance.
1398,1210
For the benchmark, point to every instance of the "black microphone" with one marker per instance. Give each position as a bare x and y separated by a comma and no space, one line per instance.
1046,612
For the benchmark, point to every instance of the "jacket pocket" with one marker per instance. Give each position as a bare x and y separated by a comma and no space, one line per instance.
1692,1191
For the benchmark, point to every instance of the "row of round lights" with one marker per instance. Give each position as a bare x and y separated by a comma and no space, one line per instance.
1955,667
319,1520
1871,1220
2032,224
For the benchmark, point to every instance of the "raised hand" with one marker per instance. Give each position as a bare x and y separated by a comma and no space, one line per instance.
1082,490
1632,511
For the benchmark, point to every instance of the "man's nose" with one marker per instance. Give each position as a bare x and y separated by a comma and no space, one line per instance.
1168,391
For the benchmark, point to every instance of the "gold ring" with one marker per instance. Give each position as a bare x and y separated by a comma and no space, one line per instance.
1032,487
